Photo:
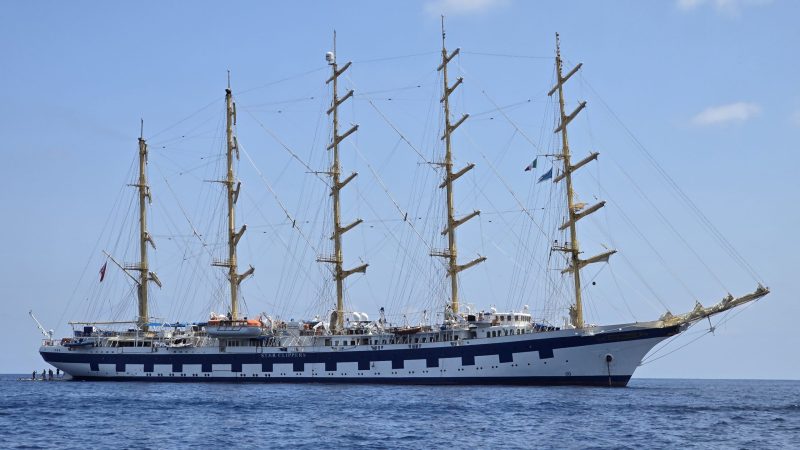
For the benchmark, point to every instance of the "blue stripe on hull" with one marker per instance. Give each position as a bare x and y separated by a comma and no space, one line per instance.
600,381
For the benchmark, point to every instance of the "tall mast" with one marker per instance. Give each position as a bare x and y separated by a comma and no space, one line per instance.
452,223
575,212
145,275
233,187
339,274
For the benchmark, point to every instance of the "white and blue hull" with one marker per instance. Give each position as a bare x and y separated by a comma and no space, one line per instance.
599,356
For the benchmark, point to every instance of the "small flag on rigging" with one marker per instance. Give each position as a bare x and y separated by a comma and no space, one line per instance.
548,175
103,271
532,165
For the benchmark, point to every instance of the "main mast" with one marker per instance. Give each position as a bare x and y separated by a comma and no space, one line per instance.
142,318
339,274
144,236
575,211
232,187
452,223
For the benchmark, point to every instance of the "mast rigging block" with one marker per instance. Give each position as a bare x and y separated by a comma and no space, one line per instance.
338,72
450,90
238,234
236,191
577,166
346,273
564,79
338,139
448,58
459,222
154,278
570,117
342,230
149,238
343,183
576,216
466,266
337,102
603,257
454,176
453,127
247,273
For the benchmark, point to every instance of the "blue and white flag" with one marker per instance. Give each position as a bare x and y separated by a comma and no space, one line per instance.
546,176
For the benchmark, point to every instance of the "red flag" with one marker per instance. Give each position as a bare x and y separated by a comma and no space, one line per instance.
103,271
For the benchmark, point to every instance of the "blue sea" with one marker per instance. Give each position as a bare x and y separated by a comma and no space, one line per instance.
647,414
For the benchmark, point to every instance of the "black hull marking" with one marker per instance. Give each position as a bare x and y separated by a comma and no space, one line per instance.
597,381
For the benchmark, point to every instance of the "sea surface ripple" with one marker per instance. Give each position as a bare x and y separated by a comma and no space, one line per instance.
151,415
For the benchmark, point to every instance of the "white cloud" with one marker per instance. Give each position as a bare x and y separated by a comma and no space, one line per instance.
454,7
734,112
726,7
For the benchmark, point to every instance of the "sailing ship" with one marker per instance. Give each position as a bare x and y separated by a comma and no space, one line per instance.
467,347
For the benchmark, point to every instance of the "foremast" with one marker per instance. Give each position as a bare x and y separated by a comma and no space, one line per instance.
575,211
233,187
143,267
451,254
339,274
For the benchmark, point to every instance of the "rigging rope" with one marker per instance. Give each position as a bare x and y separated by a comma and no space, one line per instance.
287,148
669,224
703,219
277,200
404,214
213,102
390,58
281,80
505,55
636,229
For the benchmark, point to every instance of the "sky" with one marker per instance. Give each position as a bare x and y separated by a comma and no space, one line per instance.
707,88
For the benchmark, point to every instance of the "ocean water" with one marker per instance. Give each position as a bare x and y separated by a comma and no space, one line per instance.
646,414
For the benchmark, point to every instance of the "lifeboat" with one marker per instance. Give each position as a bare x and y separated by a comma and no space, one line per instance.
234,328
406,330
78,343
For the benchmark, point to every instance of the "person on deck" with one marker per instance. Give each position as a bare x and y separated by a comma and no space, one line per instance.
33,377
50,374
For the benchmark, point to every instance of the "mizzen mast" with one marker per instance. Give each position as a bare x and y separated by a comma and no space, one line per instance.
339,274
451,254
233,187
575,211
